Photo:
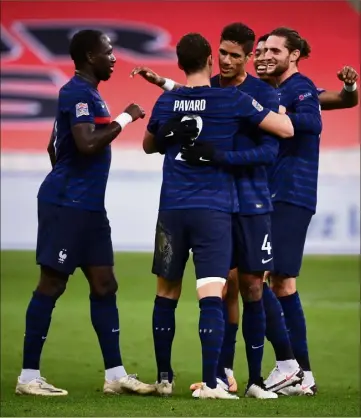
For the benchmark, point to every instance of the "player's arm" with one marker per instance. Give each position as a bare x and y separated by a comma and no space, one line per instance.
51,147
153,78
158,138
347,97
265,153
90,140
306,117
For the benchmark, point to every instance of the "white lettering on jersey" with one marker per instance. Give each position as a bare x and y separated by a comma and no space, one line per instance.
189,105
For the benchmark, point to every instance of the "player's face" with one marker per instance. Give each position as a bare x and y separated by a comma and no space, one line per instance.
259,61
277,56
232,59
104,59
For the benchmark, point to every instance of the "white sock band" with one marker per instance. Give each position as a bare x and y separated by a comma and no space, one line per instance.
168,85
123,119
207,280
350,88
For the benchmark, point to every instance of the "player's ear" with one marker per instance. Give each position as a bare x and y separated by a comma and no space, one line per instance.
295,55
90,57
210,61
249,56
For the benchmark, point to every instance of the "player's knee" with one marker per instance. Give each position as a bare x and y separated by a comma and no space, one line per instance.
282,286
232,286
210,287
52,283
251,287
170,289
104,286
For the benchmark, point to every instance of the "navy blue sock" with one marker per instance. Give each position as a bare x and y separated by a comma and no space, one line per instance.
38,318
296,325
105,320
254,329
163,335
211,333
276,329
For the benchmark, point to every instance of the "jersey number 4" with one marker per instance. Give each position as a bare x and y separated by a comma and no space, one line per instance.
266,246
199,126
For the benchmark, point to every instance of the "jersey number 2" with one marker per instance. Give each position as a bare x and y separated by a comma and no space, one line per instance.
199,126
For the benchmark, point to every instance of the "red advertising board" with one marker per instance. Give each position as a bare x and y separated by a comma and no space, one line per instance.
35,62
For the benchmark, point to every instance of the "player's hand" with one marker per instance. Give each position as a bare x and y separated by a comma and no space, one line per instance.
201,153
282,110
148,75
135,111
348,75
174,132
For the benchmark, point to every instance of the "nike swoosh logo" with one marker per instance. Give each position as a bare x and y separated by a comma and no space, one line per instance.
259,346
115,330
203,159
291,375
171,133
266,261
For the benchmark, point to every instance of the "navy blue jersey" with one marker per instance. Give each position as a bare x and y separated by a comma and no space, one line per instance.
293,178
251,180
78,180
220,114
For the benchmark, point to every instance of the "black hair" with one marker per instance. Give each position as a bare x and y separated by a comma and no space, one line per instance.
193,51
263,38
241,35
82,43
293,41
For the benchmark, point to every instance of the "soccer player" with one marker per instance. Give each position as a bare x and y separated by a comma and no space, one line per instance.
293,184
197,202
329,100
73,228
252,228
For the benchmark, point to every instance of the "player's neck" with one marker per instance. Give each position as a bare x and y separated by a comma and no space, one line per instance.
88,77
234,81
287,74
198,80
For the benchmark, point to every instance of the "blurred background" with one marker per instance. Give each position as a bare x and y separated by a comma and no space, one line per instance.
35,63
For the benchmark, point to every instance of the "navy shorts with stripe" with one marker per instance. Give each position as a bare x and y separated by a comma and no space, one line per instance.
208,233
69,238
252,243
289,229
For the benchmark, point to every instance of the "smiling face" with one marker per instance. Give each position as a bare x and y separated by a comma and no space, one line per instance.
102,59
259,61
232,59
278,57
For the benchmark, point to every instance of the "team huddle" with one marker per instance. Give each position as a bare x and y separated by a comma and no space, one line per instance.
239,190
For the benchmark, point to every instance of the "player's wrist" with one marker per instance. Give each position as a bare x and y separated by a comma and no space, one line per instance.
123,119
350,87
168,84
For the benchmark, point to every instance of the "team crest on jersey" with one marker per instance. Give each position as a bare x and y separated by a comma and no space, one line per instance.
81,109
257,105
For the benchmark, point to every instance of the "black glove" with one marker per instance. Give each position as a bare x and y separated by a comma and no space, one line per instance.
201,153
176,132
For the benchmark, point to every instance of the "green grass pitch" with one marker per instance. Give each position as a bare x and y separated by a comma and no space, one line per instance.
330,291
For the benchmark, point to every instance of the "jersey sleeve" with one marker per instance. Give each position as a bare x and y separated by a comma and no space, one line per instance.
320,90
266,151
307,111
154,121
250,109
80,107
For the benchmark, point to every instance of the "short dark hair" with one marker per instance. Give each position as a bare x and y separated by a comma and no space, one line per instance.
263,38
293,41
82,43
193,51
240,34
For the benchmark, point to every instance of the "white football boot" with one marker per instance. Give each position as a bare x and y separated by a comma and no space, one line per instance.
38,387
128,384
205,392
281,378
